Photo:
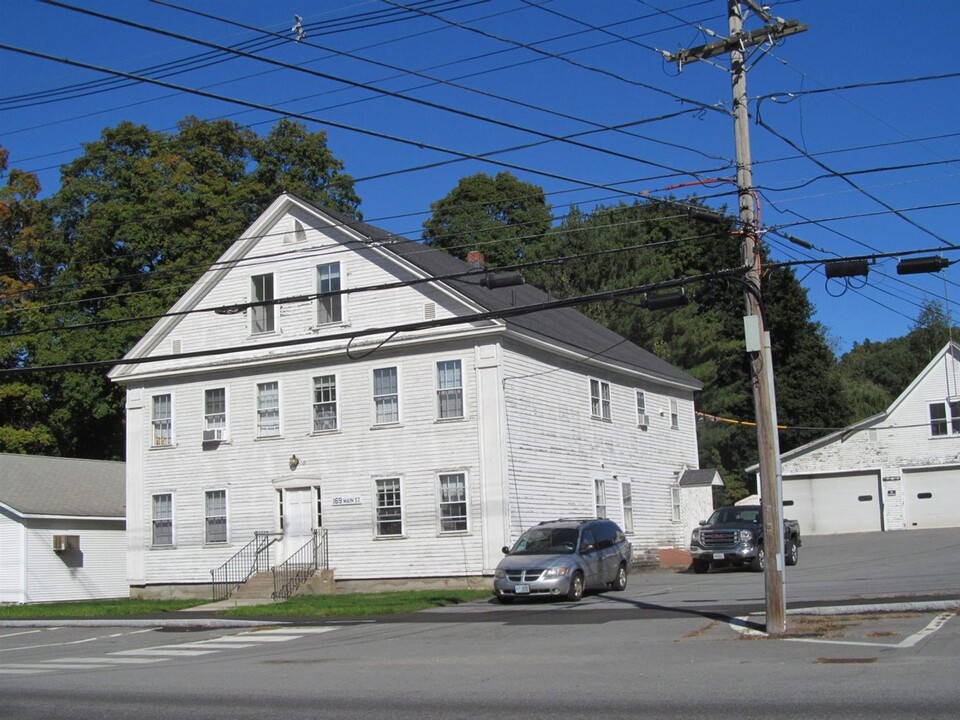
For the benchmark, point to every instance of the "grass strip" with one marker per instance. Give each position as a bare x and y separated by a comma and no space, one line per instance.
360,604
124,607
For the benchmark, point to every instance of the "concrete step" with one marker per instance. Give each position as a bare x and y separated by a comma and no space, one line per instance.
258,587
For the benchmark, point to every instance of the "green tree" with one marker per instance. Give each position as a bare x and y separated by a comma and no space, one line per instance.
23,406
137,219
501,216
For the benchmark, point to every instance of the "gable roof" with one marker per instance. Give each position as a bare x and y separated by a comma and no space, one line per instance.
43,486
564,327
952,348
700,478
559,330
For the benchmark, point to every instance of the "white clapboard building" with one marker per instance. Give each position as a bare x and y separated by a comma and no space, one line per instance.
897,470
61,529
321,375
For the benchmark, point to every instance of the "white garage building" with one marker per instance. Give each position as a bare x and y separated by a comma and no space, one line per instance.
893,471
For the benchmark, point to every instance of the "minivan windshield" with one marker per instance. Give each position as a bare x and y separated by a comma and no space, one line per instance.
546,541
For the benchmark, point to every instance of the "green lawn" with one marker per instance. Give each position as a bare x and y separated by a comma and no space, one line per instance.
353,604
126,607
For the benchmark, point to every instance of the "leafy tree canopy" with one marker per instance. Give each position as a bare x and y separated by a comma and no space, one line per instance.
137,219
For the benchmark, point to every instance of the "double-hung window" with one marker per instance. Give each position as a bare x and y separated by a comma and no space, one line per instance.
389,507
674,415
626,497
215,516
215,414
161,530
161,420
449,389
599,399
600,497
268,409
453,502
945,418
642,418
386,396
262,315
325,403
675,502
330,302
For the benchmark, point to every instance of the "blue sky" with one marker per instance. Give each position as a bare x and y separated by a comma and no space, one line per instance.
556,68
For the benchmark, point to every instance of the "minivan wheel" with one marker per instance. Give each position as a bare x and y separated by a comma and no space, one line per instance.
620,583
505,599
576,587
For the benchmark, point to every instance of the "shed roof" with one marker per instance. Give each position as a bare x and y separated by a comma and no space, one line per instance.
38,485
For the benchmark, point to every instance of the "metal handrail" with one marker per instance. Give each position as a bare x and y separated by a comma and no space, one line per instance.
296,569
238,569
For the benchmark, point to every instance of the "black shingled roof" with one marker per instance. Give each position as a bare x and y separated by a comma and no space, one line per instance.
564,327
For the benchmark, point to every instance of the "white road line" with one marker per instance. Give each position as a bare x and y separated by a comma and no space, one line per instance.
256,638
24,632
147,652
14,671
55,665
76,642
302,630
115,660
217,645
938,622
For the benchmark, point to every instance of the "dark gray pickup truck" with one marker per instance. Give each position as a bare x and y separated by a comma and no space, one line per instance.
734,536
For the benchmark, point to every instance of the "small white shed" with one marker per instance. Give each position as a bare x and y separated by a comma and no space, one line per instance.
62,529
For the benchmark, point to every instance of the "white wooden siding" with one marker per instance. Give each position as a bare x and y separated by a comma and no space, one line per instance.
11,559
340,463
557,449
97,571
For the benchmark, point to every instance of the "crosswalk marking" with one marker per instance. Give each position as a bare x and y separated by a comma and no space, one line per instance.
163,653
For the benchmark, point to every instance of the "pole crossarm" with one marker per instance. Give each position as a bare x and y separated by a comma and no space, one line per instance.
740,41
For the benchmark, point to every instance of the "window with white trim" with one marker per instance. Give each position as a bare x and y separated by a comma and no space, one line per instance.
626,498
329,307
268,409
215,516
675,502
449,389
386,396
642,419
674,415
262,316
389,507
325,403
161,420
600,497
453,502
161,522
599,399
945,418
215,414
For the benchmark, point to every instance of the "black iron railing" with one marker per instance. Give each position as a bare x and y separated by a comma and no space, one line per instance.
296,569
251,559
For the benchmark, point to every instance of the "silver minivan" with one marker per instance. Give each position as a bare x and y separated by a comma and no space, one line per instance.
562,558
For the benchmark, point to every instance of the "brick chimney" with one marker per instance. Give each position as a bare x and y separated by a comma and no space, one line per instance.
476,259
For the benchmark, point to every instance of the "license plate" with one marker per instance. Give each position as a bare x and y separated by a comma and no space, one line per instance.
718,556
521,589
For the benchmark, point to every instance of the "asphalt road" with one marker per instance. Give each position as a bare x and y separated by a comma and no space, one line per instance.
671,646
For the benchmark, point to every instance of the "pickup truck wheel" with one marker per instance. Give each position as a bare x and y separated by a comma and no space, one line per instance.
792,552
759,561
701,566
620,583
576,587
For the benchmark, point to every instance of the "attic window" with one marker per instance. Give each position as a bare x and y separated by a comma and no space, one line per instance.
299,234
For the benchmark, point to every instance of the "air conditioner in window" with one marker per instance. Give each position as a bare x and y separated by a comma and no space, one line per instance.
643,419
63,543
213,435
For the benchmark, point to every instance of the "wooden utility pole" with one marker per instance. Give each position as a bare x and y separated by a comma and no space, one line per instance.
757,337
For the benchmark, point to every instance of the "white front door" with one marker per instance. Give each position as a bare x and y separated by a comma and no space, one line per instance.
297,519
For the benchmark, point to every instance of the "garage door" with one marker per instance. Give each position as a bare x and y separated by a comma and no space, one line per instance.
931,498
829,504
